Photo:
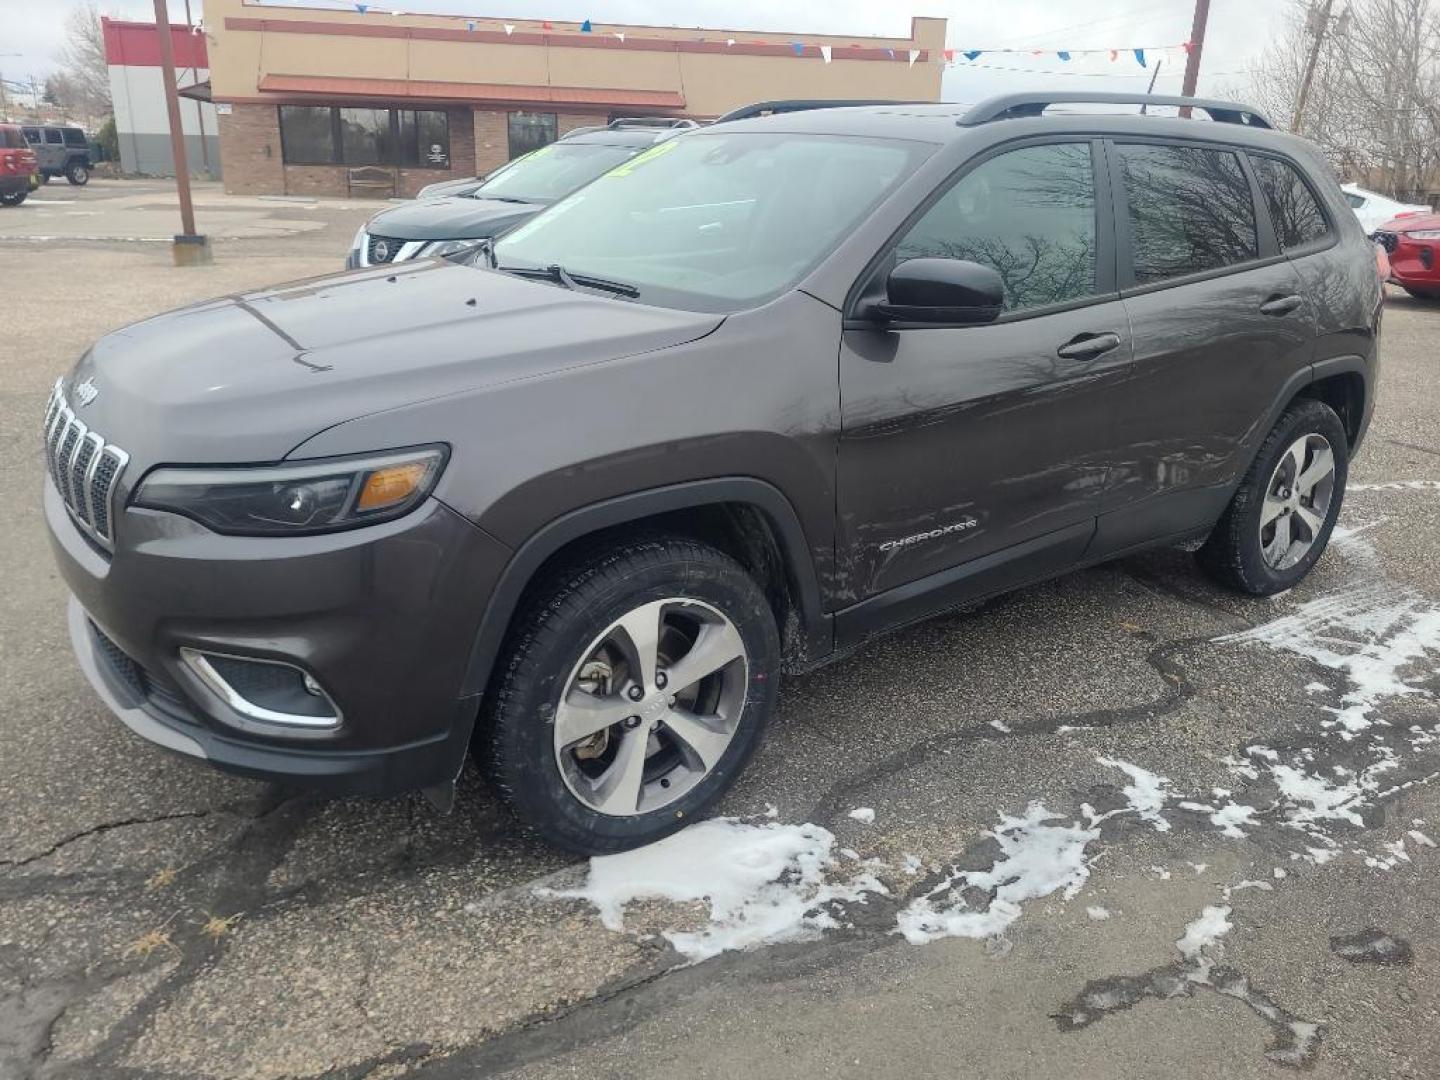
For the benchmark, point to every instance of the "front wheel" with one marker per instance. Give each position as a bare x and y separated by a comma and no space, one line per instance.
13,200
1422,294
1279,522
78,173
633,690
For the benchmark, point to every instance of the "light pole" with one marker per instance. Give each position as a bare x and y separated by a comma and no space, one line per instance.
191,249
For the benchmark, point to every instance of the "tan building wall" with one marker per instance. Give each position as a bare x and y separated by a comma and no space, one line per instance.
262,57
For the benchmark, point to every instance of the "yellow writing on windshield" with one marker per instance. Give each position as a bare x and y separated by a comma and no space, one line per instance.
640,159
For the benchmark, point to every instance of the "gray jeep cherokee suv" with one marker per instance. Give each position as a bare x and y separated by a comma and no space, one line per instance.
761,392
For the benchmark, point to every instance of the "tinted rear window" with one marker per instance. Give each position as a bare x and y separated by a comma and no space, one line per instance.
1190,210
1293,208
74,137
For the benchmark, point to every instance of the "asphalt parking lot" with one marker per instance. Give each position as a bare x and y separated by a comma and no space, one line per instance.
1118,825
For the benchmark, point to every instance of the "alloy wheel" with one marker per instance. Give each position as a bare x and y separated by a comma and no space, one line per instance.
651,706
1297,501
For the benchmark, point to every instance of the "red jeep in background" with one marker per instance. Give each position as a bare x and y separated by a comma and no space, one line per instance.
1412,243
17,166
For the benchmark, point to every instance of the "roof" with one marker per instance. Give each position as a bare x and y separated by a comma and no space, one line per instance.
336,87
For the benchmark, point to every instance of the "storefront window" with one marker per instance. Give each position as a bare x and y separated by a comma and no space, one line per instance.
530,131
425,139
306,135
316,135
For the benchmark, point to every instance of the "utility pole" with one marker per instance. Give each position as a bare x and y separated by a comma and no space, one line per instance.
1321,24
190,248
1197,46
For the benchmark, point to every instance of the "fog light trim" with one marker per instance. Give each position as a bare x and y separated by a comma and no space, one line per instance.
199,662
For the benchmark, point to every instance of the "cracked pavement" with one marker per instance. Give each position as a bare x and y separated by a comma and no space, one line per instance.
159,920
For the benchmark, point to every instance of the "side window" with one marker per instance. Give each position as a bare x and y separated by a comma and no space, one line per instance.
1297,216
32,135
1190,210
52,136
1354,200
74,137
1029,213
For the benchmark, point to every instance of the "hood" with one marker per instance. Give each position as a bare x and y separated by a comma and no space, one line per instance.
1421,218
451,218
248,378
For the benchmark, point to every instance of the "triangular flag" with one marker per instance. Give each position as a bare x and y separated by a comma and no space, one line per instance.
729,41
1140,57
585,27
914,55
509,28
546,25
362,8
825,52
949,56
1063,55
798,46
621,37
974,54
470,26
1189,47
1114,53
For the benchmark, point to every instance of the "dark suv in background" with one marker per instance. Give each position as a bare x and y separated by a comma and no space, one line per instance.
456,224
756,395
61,151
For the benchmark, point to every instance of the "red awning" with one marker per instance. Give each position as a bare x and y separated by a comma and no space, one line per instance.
331,86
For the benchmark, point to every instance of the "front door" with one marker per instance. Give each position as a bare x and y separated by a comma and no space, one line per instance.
975,456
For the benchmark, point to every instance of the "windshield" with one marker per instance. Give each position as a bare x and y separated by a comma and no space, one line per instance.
715,222
553,171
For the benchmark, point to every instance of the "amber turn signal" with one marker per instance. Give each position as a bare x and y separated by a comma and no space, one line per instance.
390,485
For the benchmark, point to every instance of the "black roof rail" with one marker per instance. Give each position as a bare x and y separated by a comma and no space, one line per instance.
1012,106
767,108
652,121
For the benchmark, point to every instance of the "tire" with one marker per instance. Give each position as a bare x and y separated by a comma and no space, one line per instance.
1422,294
15,199
562,651
78,173
44,178
1237,553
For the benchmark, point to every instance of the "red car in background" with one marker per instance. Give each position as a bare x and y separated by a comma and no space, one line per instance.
1412,244
18,175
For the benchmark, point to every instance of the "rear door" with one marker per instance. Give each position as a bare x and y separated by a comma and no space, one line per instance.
1221,323
52,150
974,456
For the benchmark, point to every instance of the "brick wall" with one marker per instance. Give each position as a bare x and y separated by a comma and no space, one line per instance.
251,160
492,140
250,150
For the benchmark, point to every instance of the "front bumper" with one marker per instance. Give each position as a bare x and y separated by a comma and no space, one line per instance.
383,617
1414,264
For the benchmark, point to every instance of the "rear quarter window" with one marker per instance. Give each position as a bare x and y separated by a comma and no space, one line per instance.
1294,210
11,139
74,137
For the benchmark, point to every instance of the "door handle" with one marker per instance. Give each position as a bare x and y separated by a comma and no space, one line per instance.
1280,305
1088,346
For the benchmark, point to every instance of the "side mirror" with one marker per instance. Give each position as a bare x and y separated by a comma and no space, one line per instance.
945,291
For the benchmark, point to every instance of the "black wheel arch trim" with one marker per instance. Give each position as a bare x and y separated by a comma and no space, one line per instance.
815,624
1307,376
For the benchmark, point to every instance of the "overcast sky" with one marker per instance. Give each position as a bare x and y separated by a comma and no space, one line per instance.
1239,29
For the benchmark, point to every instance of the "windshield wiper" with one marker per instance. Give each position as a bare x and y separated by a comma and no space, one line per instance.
560,276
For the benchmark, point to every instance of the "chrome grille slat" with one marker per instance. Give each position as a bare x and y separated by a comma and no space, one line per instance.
84,468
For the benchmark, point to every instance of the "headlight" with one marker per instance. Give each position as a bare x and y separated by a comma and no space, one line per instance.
1424,234
451,248
294,499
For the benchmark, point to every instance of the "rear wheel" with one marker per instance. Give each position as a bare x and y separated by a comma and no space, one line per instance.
78,173
44,178
13,200
1422,294
1279,522
634,688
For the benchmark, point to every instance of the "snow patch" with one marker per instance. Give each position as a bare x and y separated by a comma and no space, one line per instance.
1099,914
1000,727
863,814
1420,838
763,883
1205,932
1146,792
1037,858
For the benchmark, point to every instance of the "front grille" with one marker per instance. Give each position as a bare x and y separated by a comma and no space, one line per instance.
382,249
1387,240
83,466
144,684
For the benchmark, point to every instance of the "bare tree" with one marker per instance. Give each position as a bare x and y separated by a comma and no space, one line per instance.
86,70
1374,102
